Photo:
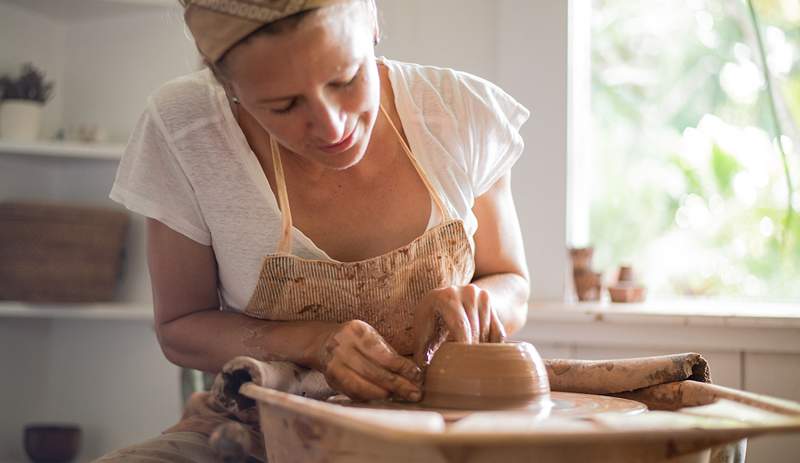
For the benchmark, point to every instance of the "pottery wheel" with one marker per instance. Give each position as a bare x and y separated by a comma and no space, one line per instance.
561,404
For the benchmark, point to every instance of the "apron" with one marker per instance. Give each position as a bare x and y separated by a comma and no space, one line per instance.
381,291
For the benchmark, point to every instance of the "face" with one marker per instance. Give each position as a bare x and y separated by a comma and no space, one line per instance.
315,88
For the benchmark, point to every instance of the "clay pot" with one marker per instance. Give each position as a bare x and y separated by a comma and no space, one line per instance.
588,285
625,274
52,443
486,376
581,258
627,293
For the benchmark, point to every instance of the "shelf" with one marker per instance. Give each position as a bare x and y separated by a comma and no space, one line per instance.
85,311
82,10
104,151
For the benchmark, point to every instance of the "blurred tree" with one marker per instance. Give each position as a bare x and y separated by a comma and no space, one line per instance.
687,180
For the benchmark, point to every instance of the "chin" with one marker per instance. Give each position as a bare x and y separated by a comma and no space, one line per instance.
344,160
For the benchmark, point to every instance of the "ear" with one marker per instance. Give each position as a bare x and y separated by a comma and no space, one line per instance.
372,9
223,81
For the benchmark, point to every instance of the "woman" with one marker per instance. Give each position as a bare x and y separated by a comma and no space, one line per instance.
345,212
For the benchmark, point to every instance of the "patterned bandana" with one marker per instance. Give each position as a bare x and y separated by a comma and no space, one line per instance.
218,25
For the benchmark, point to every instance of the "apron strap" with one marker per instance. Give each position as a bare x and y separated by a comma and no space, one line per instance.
431,190
285,244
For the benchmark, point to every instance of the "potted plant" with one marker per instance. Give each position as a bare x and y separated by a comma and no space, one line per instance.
21,103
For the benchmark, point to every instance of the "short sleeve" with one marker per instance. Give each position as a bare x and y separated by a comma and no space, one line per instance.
493,141
151,182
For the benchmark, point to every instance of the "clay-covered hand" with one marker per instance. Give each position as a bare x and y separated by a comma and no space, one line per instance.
358,362
454,313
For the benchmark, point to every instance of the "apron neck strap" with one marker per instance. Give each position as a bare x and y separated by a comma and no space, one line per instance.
431,190
285,244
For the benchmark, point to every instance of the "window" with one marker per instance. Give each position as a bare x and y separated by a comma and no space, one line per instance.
677,167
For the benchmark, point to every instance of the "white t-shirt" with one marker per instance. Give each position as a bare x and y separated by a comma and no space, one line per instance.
188,164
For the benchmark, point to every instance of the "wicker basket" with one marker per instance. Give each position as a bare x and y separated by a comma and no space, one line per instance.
51,252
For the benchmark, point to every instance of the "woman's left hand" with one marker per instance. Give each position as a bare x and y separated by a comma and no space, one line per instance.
454,313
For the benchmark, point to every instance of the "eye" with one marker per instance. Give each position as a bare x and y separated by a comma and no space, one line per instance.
348,82
286,109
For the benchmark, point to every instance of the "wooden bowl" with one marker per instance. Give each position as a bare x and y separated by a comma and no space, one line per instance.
52,443
486,376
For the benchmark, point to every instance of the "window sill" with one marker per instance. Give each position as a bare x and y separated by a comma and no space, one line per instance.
729,326
686,313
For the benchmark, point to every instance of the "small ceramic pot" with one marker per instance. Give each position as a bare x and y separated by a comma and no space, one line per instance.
52,443
581,258
486,376
588,285
627,293
625,274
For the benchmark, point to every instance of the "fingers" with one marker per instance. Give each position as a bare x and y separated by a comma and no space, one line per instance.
454,316
385,356
361,357
345,379
431,334
394,384
497,333
470,308
485,315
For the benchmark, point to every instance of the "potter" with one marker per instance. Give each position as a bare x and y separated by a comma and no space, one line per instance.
310,202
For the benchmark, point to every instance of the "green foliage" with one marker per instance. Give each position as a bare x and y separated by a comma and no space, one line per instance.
724,167
687,182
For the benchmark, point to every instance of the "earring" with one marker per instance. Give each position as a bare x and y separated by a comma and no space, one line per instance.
235,100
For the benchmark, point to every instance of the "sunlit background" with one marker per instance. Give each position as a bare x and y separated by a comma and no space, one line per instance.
682,174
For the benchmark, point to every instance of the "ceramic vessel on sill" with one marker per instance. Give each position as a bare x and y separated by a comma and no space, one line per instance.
627,293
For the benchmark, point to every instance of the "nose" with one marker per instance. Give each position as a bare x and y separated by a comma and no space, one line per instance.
326,121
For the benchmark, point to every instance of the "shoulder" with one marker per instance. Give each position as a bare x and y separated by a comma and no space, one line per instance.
466,125
185,100
457,92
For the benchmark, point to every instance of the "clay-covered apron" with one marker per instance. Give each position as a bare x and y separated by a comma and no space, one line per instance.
381,291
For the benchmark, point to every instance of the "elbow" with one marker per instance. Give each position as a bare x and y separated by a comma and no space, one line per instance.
517,319
519,315
166,340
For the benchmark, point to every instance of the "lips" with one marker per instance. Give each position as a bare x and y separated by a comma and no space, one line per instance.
342,145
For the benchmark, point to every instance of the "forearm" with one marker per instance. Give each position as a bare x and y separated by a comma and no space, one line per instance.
208,339
508,293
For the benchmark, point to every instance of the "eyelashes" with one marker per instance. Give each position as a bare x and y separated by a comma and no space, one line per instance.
339,85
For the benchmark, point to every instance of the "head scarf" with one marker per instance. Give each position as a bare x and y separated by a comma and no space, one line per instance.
218,25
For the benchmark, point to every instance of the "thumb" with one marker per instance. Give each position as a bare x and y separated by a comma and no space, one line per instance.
428,339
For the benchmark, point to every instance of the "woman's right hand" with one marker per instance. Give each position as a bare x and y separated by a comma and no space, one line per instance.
358,362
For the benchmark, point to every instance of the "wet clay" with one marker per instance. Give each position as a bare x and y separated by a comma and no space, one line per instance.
485,376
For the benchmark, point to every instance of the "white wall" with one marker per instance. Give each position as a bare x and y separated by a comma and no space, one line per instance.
113,64
531,52
19,43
